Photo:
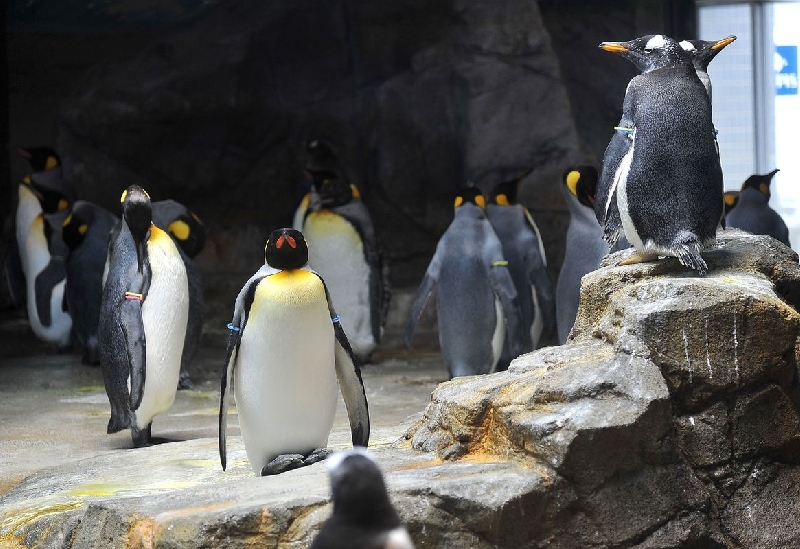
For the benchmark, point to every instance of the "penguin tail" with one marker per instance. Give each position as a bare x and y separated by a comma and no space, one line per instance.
687,250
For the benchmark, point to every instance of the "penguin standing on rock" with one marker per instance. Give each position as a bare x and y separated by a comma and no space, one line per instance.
285,352
85,232
345,249
363,516
44,196
527,263
143,318
476,300
667,188
702,53
752,212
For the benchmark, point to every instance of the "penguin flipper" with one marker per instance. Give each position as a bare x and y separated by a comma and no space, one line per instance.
348,372
504,289
132,329
538,277
427,285
231,351
44,284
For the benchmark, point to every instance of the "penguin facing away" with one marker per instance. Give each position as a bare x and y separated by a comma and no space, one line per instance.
476,300
86,232
143,318
285,353
363,516
523,249
43,193
668,190
752,212
345,249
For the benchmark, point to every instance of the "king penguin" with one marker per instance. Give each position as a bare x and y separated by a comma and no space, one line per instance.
667,188
85,232
345,249
143,318
363,516
476,300
523,249
44,193
285,352
181,224
752,212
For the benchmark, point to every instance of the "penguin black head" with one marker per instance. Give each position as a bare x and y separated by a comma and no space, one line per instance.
760,182
286,249
41,158
137,212
703,51
470,195
337,192
322,162
182,224
651,52
505,193
582,183
76,224
359,491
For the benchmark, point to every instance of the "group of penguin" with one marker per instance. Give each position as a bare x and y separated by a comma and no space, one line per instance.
126,292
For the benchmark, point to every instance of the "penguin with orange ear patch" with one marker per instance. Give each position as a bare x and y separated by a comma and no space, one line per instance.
752,212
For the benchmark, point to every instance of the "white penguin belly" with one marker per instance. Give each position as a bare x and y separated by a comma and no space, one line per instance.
621,185
537,326
165,312
285,378
499,336
337,253
35,256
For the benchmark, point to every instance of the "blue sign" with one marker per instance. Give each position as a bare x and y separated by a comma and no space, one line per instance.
785,70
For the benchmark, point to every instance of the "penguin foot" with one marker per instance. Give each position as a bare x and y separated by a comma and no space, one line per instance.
287,462
639,257
141,437
184,381
317,455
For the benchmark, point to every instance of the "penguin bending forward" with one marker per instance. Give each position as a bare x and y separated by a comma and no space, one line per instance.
143,318
527,263
363,516
667,187
285,352
476,300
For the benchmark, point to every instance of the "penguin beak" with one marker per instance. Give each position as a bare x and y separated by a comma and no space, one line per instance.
613,47
722,43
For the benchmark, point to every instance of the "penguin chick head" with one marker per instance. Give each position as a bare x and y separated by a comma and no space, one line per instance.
760,182
286,249
650,52
322,162
137,212
40,158
505,193
470,195
703,51
582,183
359,491
76,224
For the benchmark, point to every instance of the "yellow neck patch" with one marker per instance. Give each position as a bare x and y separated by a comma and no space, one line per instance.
50,163
124,194
572,181
479,200
67,220
62,205
764,188
296,287
730,198
356,194
83,228
459,201
501,199
180,229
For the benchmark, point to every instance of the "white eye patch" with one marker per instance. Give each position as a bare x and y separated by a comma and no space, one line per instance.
655,42
687,46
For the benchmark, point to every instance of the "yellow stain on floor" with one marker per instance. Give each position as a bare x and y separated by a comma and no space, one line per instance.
19,519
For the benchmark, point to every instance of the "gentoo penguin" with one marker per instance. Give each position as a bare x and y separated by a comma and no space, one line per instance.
668,189
702,52
585,247
527,263
143,317
753,213
285,352
345,249
363,516
476,300
182,224
44,193
86,232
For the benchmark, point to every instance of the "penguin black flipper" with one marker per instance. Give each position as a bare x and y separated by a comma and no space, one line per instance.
236,327
424,291
132,328
505,290
348,372
44,284
536,266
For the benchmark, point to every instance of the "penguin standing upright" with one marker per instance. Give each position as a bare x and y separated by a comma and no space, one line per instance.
344,249
476,300
143,318
668,186
752,212
285,353
44,193
86,232
363,516
702,53
523,249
